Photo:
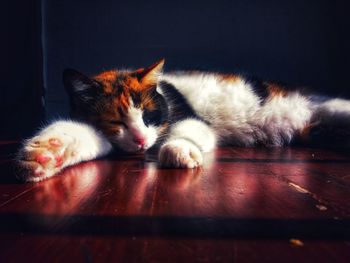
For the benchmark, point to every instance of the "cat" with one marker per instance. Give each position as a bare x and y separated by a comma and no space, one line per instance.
184,114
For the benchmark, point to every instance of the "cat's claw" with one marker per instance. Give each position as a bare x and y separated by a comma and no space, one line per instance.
42,157
180,153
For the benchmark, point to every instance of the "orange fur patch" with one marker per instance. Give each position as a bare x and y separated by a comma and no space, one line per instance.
133,84
119,87
230,78
275,90
107,79
147,102
164,128
123,101
110,76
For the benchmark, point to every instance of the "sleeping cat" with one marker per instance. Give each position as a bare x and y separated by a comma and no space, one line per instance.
184,114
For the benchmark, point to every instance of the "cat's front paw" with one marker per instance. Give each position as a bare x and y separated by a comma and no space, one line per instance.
180,153
44,156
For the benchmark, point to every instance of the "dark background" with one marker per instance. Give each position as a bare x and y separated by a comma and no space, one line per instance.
302,43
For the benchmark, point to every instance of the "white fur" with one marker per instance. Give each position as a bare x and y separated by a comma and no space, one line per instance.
196,131
180,153
331,107
234,112
86,141
186,140
282,117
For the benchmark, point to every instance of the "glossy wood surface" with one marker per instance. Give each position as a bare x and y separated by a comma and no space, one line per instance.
244,205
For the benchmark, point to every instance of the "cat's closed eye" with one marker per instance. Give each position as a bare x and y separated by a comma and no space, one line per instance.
119,123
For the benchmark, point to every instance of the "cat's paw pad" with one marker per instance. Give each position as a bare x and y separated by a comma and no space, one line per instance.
180,153
42,157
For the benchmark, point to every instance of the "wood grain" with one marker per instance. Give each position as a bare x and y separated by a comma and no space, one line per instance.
244,205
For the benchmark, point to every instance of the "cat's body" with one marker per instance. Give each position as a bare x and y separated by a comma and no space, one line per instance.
184,113
237,114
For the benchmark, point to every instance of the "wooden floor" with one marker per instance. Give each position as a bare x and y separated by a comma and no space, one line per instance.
245,205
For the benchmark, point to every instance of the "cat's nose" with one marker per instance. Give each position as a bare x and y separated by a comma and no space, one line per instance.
139,141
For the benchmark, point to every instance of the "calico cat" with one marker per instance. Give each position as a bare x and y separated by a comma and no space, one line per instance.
185,114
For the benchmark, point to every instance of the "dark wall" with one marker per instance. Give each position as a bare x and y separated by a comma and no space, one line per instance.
21,86
297,42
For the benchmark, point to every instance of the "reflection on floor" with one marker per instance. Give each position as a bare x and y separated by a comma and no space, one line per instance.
245,205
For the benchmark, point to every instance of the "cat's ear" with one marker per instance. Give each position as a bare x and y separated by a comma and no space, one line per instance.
150,74
79,87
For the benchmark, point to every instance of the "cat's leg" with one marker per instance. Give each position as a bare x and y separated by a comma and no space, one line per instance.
61,144
185,144
330,124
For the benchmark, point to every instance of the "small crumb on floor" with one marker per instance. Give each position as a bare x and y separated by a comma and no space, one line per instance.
296,242
321,207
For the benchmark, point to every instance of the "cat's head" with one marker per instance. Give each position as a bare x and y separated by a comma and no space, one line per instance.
124,105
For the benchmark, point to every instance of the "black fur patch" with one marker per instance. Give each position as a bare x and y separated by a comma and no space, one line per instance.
160,114
180,109
136,98
260,87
